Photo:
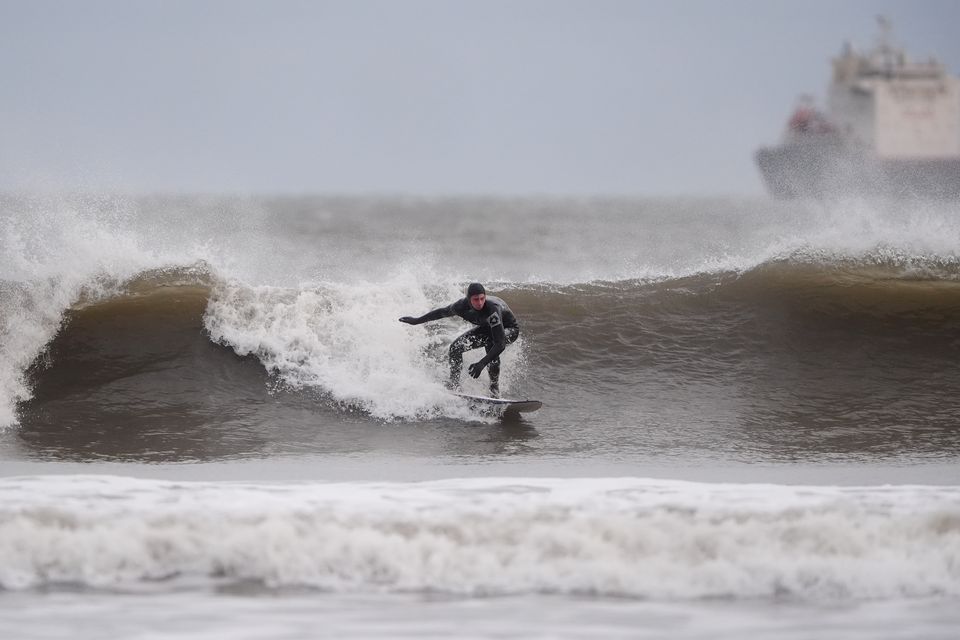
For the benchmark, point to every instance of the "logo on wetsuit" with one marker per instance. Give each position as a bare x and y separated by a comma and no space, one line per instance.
494,319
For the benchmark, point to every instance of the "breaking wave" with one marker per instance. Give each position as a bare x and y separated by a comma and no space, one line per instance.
342,341
106,289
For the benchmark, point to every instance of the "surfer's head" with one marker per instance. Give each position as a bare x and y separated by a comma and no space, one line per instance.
477,295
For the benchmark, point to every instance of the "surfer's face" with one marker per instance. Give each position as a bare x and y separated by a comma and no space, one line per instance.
478,301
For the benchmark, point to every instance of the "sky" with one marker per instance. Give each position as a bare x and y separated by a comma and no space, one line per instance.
428,97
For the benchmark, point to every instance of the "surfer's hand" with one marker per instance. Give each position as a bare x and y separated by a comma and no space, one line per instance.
408,320
476,369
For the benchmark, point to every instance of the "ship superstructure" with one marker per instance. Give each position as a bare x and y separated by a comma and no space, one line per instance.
891,128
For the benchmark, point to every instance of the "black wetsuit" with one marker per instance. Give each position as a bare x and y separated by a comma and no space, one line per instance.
496,328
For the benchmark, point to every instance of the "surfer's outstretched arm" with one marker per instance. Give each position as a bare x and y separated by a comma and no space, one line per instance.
436,314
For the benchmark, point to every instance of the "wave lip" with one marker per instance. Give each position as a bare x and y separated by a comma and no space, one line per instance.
608,537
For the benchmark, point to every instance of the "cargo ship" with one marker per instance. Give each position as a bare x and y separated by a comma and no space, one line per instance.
891,128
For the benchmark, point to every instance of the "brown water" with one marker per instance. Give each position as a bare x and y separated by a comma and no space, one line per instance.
787,362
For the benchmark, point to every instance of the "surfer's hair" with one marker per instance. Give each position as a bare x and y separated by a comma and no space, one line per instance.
474,289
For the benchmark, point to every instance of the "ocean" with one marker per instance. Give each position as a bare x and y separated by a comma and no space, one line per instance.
213,425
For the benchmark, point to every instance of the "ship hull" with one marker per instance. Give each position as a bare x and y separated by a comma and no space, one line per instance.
828,169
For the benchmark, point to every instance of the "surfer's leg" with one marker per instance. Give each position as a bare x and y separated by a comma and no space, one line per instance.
493,369
469,340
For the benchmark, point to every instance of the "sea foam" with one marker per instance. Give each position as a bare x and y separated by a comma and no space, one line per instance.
345,341
617,537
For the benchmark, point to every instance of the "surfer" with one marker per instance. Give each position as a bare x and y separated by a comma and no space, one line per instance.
496,328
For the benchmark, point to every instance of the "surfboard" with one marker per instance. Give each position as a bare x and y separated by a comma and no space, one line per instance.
501,404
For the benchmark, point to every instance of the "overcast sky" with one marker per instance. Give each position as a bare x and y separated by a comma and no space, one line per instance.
421,96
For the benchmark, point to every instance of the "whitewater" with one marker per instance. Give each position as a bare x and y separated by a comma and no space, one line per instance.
487,537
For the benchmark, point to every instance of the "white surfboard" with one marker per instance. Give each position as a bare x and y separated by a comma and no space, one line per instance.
504,404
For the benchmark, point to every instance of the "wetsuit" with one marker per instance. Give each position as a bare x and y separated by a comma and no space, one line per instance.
496,328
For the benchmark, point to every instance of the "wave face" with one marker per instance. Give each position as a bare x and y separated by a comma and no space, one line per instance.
631,538
785,345
750,328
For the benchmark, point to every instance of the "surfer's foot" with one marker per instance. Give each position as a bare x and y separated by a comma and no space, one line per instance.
452,385
495,391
